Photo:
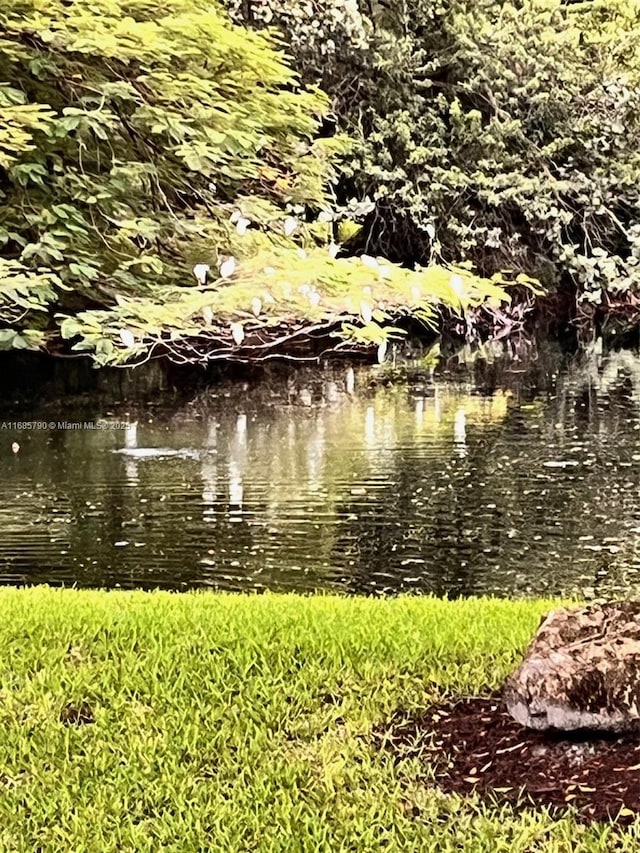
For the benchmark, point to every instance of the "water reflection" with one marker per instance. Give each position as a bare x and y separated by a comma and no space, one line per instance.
516,475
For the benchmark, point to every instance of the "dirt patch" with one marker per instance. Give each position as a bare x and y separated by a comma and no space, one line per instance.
473,746
77,715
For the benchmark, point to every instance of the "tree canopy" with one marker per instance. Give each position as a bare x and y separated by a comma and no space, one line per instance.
502,133
140,139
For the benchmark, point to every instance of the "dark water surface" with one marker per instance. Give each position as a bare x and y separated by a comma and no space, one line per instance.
506,476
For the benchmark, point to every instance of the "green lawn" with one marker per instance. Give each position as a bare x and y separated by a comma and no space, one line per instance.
242,723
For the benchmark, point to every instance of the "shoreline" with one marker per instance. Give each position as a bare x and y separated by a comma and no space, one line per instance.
35,375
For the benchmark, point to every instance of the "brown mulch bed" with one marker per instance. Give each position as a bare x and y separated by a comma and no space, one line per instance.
473,746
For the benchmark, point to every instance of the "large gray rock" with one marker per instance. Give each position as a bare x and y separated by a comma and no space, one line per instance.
581,671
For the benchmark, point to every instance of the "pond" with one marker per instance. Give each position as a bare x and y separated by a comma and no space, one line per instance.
496,472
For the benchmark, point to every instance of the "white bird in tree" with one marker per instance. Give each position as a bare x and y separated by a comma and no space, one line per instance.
366,311
127,337
201,271
290,225
228,267
237,332
457,285
15,447
242,224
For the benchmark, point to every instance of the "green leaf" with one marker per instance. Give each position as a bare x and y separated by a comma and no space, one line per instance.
70,328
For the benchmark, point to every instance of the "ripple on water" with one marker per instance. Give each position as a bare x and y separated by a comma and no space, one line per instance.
532,488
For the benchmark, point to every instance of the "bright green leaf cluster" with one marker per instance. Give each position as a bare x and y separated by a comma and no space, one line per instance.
140,140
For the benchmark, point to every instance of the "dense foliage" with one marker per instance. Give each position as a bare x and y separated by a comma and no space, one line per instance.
504,133
139,139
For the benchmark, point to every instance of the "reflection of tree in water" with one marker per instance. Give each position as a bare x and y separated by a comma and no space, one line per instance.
534,490
543,502
430,540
